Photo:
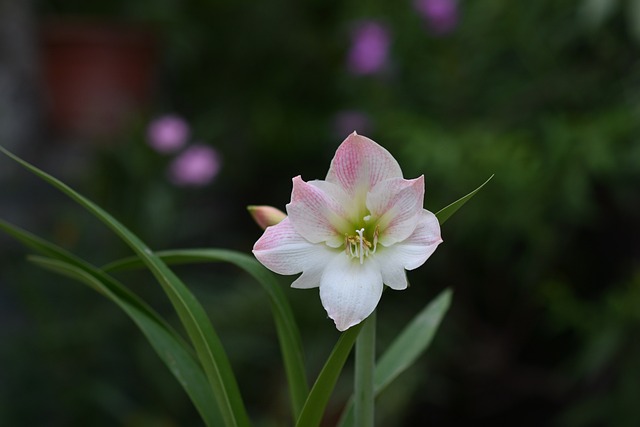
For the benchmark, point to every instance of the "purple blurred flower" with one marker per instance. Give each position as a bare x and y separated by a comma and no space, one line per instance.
441,15
369,48
196,166
167,134
348,121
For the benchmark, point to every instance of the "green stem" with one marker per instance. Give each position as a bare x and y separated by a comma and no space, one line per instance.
365,359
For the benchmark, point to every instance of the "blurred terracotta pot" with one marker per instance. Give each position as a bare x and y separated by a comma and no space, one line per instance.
97,75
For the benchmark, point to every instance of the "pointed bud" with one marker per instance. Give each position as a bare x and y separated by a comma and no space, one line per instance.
266,216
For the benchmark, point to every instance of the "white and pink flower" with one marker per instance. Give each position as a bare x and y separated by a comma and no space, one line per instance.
352,233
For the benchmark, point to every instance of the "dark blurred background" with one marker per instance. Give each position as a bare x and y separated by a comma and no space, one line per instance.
176,114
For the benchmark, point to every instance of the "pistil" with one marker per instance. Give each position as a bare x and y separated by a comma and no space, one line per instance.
361,238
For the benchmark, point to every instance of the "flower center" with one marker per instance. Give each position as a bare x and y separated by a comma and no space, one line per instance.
357,246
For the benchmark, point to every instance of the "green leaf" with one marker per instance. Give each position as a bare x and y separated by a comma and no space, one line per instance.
180,362
595,12
287,329
314,407
49,249
191,313
633,14
446,212
173,351
406,348
412,342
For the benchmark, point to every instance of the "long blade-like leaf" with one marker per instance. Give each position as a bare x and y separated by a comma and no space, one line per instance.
314,407
412,342
179,361
446,212
171,348
191,313
288,334
406,348
49,249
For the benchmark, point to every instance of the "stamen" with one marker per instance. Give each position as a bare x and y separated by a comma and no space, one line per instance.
375,238
358,246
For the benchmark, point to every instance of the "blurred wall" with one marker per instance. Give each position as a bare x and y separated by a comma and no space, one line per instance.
20,112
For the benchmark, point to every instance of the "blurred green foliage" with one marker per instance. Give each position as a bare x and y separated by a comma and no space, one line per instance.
544,261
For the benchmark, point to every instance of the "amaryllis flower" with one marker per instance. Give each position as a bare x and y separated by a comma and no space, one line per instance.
360,228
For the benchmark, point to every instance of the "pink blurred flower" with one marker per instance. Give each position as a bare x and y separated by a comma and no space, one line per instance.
348,121
441,15
167,134
196,166
369,48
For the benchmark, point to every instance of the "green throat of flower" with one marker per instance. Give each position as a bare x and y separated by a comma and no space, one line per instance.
359,245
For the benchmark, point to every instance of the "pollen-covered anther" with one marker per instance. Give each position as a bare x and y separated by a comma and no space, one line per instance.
357,246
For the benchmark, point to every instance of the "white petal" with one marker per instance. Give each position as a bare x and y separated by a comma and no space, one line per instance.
350,291
315,214
310,278
397,203
359,164
282,250
412,252
392,269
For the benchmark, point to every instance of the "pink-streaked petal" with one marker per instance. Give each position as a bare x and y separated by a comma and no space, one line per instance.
414,251
350,291
266,216
397,204
351,211
316,215
282,250
359,164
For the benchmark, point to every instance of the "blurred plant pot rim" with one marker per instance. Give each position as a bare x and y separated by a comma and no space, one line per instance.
98,74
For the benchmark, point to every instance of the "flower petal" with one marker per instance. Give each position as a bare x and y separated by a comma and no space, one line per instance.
397,203
309,278
316,215
282,250
392,270
359,164
332,190
410,253
350,291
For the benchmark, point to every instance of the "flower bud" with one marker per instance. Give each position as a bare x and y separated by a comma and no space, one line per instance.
266,216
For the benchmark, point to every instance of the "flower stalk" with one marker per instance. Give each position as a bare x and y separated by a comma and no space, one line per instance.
364,371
